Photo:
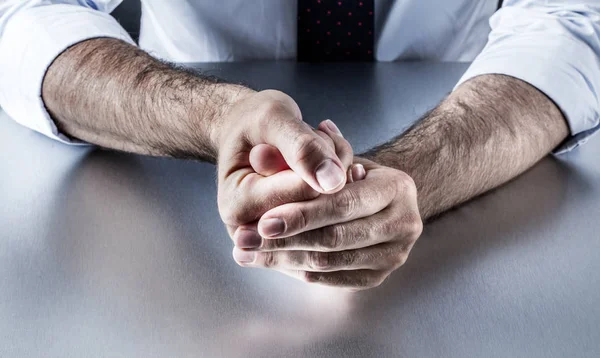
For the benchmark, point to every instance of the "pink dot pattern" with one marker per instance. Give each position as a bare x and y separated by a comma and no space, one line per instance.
335,30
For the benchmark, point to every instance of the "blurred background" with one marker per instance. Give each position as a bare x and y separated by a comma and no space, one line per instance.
129,14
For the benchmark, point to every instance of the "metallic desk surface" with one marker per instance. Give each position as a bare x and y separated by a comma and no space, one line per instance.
110,254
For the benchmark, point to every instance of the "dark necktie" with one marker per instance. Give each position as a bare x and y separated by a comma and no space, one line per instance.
335,30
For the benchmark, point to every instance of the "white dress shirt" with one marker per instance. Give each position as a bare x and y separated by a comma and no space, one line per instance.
552,44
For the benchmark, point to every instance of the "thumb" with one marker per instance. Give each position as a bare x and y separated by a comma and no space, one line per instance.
306,153
266,160
356,173
278,123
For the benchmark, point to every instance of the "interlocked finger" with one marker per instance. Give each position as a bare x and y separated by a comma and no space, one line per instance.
357,280
376,257
357,200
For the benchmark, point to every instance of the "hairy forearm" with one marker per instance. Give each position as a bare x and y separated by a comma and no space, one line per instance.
107,92
491,129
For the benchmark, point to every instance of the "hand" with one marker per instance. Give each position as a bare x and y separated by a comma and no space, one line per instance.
310,162
353,239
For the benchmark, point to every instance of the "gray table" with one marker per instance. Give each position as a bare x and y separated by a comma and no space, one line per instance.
109,254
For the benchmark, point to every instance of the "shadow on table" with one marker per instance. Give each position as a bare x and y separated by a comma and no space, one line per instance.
129,228
505,219
136,242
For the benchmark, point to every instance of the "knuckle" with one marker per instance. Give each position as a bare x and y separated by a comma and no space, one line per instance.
390,189
224,209
362,234
276,101
346,259
399,259
377,281
344,203
234,217
332,237
413,224
344,147
270,113
417,229
292,259
229,217
406,184
234,211
387,228
272,108
396,255
318,260
405,178
310,277
305,147
301,219
372,233
366,282
363,281
278,244
269,259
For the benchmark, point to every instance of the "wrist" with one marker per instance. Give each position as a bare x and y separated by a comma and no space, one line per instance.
226,97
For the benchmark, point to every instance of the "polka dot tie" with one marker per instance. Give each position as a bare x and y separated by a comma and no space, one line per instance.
335,30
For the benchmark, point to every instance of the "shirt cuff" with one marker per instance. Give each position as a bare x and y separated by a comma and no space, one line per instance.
31,40
561,67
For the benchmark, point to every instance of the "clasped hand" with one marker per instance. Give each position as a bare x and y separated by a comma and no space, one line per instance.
297,201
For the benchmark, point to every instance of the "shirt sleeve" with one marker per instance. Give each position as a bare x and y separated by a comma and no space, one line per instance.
555,46
32,34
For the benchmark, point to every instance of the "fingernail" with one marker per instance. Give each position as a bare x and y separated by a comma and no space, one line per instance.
243,257
329,175
247,239
358,172
332,127
271,227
